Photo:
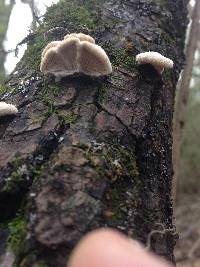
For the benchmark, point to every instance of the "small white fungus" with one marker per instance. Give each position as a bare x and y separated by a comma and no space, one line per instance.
7,109
156,59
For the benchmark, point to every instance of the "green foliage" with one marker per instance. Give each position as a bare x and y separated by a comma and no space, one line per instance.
17,229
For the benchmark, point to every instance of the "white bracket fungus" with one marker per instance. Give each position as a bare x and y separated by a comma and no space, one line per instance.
81,37
50,45
76,53
60,59
92,60
156,59
7,109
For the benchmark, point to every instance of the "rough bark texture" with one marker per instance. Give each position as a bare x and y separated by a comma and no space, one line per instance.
85,153
183,92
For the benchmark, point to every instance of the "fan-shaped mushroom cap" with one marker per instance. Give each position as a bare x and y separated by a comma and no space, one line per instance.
93,60
61,60
50,45
7,109
81,37
156,59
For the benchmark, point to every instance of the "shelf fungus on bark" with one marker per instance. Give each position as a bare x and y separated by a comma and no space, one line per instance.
76,53
50,45
156,59
93,60
81,37
7,109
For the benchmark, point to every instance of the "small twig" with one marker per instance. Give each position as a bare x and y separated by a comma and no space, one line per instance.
153,232
126,73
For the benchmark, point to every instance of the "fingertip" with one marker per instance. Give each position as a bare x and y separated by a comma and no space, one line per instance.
109,248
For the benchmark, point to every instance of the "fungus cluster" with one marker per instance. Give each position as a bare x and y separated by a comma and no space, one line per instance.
156,59
7,109
76,53
79,53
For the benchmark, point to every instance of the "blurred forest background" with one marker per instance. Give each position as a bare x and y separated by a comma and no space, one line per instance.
187,207
5,11
189,177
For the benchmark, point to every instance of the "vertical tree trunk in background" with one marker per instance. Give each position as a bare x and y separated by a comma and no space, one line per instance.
90,152
34,11
4,19
183,92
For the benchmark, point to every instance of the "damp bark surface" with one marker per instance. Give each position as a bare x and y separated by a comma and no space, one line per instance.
85,153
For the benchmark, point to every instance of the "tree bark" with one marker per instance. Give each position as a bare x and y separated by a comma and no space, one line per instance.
183,92
90,152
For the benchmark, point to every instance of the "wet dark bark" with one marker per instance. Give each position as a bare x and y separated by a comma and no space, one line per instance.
87,153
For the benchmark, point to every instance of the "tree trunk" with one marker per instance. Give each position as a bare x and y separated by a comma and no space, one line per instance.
183,92
5,11
90,152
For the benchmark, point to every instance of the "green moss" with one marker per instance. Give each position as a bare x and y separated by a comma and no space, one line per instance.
3,89
124,178
22,175
49,90
120,57
15,177
126,159
102,91
17,229
69,14
68,119
118,164
108,155
33,53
